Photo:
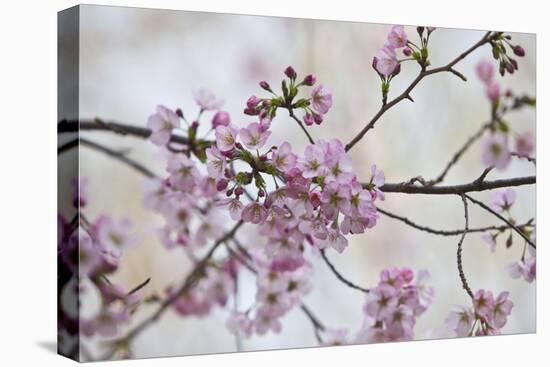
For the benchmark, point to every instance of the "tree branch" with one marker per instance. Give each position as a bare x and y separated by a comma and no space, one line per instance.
443,232
406,94
340,276
512,225
291,114
459,250
476,185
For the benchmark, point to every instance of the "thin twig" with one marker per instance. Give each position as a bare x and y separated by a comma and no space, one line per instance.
118,156
340,276
512,225
406,94
444,232
291,114
459,250
459,153
530,159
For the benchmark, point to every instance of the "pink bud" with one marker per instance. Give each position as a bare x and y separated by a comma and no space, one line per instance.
519,51
308,119
290,72
265,85
221,118
221,184
407,51
309,80
253,101
179,112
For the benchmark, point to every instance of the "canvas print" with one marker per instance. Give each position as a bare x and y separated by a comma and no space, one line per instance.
232,183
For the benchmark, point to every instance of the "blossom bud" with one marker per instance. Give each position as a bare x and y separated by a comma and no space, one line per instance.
290,72
318,118
309,80
179,112
253,101
420,30
261,193
509,67
238,145
397,70
221,184
239,191
221,118
407,51
229,192
519,51
195,125
431,29
263,157
508,93
265,85
308,119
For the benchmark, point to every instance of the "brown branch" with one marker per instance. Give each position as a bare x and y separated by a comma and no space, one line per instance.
291,114
406,94
459,250
444,232
68,126
512,225
118,156
474,186
454,159
340,276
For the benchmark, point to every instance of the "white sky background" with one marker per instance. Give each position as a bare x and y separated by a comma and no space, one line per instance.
133,59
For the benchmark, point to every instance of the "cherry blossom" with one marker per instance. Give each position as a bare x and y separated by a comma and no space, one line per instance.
161,124
321,99
495,151
397,38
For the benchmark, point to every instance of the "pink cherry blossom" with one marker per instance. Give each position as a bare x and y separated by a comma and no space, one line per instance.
254,213
161,124
385,61
333,337
215,162
490,239
312,164
221,118
495,151
334,240
397,38
484,303
321,99
485,71
381,302
461,321
503,200
525,144
226,137
206,100
254,136
493,91
183,172
502,309
283,158
114,235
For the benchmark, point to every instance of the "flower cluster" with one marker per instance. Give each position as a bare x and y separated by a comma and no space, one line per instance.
89,252
502,202
314,107
392,307
213,287
507,64
281,283
386,62
487,315
496,149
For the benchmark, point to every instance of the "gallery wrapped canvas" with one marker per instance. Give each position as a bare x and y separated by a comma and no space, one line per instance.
234,183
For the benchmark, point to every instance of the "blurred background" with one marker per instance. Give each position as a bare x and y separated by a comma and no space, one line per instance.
133,59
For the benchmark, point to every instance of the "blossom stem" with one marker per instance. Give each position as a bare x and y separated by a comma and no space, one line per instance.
406,94
291,114
514,227
340,276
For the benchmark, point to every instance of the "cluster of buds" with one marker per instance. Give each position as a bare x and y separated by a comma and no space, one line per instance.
314,107
500,43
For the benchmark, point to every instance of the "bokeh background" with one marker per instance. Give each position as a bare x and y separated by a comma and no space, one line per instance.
133,59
